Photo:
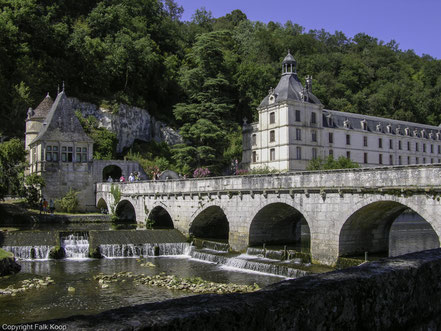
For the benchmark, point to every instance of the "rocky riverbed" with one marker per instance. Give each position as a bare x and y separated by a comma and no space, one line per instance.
27,285
194,284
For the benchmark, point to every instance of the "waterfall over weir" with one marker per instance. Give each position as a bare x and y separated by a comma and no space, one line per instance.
29,252
76,245
248,262
138,250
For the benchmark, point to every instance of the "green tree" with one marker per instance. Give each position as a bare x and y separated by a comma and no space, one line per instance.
206,117
330,163
12,165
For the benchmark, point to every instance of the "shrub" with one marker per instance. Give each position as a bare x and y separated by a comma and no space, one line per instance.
201,172
69,203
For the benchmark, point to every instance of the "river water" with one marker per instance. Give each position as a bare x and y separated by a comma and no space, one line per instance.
55,301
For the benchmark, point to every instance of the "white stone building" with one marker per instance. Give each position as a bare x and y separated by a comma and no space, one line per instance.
294,128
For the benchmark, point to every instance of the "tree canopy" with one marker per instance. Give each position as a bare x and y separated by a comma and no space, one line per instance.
202,76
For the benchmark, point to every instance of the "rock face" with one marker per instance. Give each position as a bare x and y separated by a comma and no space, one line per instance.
400,293
129,123
8,266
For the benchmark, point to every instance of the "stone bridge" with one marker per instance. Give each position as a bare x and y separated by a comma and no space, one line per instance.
331,213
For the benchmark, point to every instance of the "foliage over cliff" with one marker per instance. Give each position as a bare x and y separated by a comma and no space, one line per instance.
203,76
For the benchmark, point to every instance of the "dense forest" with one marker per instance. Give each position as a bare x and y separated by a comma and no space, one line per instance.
202,76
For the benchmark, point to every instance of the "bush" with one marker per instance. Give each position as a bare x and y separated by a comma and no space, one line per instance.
33,185
201,172
69,203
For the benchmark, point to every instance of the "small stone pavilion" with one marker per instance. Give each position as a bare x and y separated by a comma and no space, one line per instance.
62,153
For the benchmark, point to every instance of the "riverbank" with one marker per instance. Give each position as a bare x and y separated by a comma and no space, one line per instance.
7,263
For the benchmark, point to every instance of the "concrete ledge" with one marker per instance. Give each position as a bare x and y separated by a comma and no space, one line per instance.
119,237
402,293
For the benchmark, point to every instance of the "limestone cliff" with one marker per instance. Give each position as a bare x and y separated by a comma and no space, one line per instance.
129,123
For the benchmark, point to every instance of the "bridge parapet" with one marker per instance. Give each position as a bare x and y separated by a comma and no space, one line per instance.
402,179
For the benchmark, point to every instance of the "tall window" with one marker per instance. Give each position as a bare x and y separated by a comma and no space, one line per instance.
380,158
331,152
431,148
64,154
424,160
408,145
84,157
399,160
272,154
298,153
55,153
298,119
348,139
391,159
399,144
365,157
331,137
78,156
408,160
254,157
272,136
272,118
424,148
298,134
439,149
380,143
365,141
313,118
69,154
314,153
254,139
348,154
48,153
417,160
416,147
391,144
314,136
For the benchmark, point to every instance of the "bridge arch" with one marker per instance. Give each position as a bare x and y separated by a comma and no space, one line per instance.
368,229
211,223
125,211
161,218
279,223
102,205
113,171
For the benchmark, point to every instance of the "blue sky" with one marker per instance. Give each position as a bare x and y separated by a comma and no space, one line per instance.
412,24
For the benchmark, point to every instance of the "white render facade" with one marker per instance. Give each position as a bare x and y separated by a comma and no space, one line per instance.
294,128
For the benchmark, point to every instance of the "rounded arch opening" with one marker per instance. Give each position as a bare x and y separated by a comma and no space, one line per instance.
112,171
211,223
102,206
161,218
280,224
125,212
385,228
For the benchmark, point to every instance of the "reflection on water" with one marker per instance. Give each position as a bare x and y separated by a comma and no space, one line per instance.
55,301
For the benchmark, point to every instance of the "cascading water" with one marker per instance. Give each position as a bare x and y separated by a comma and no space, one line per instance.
29,252
138,250
76,245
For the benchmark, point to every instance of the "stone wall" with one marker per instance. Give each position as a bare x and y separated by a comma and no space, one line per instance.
129,123
402,293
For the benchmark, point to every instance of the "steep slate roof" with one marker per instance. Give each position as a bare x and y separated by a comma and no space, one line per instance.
61,123
290,87
355,120
43,108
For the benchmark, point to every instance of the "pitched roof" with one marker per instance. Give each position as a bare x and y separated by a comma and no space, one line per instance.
61,123
43,108
375,124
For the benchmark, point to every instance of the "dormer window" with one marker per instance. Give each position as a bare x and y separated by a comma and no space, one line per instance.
379,127
272,99
347,124
364,125
389,128
330,121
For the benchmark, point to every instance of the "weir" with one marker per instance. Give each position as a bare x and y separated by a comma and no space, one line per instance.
75,245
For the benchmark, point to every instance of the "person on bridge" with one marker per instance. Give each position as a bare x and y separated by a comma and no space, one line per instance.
131,178
110,179
122,179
